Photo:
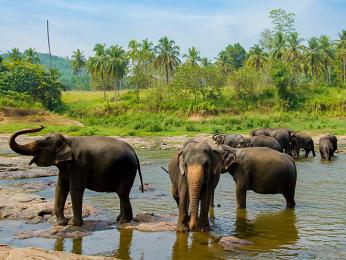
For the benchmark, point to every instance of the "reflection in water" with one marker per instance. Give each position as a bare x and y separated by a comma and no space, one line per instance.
76,245
269,230
125,243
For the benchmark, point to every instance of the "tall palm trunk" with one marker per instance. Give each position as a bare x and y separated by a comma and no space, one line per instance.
166,68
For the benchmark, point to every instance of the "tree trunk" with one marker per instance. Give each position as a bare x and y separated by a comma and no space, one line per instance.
344,61
166,68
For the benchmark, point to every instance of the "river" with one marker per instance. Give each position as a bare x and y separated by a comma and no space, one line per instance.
316,228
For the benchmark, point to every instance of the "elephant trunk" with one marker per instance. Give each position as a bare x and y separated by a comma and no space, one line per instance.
26,149
194,180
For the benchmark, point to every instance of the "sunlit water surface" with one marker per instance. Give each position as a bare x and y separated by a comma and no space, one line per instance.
315,229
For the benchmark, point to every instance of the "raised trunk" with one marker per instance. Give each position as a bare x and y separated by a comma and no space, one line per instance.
194,180
26,149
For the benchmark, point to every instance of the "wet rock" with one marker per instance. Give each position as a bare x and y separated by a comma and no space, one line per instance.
89,226
31,253
231,242
145,163
17,167
149,222
33,186
19,205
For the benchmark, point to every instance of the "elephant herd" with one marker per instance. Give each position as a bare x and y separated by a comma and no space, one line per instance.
262,163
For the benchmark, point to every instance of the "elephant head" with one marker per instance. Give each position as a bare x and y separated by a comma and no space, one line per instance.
49,150
295,144
244,143
219,138
199,163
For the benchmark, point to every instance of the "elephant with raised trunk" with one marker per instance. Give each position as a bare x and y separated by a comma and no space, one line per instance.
194,173
302,141
97,163
262,170
232,140
328,145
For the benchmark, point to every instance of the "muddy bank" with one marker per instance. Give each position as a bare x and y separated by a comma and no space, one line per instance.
18,204
12,253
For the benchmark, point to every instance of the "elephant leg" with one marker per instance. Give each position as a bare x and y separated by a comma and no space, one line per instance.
289,196
313,151
77,202
241,196
212,205
126,214
61,191
307,153
203,221
175,195
183,219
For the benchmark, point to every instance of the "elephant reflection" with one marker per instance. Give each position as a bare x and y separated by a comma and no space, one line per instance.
202,247
124,246
269,230
76,245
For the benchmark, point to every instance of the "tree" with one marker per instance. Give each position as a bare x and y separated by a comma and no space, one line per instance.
244,82
283,21
313,55
294,53
281,78
15,55
78,61
167,56
30,55
327,55
192,56
256,57
279,46
341,52
205,62
234,55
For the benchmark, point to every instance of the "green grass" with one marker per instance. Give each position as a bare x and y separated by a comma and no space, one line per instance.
317,110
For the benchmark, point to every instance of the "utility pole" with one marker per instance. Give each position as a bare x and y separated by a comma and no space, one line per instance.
50,54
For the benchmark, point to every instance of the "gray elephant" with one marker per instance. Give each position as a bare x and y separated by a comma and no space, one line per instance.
302,141
97,163
232,140
327,146
262,170
282,135
265,141
194,173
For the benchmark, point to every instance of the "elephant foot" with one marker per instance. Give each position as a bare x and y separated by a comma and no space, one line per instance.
123,219
204,227
182,228
62,221
76,221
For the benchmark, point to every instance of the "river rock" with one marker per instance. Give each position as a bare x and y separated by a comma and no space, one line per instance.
19,205
31,253
150,222
231,242
17,167
89,226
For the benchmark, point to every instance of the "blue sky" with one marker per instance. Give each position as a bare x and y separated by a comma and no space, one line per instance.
209,25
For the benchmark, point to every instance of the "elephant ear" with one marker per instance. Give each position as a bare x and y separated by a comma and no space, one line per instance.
229,158
180,162
216,157
63,152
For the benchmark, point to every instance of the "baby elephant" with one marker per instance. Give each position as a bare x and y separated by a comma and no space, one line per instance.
302,141
261,170
232,140
194,173
87,162
328,144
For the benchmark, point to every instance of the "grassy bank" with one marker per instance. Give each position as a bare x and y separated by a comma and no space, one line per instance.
320,110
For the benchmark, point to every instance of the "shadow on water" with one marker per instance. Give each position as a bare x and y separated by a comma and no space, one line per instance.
59,245
267,231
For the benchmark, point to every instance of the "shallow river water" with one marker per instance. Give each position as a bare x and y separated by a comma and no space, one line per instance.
315,229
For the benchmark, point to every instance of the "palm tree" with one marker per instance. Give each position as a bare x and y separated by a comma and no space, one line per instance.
116,64
327,55
100,49
147,54
192,56
78,61
257,57
313,55
294,53
205,62
341,52
15,54
167,56
30,55
222,61
279,46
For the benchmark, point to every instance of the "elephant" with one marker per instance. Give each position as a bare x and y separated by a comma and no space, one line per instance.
327,145
300,140
282,135
194,173
232,140
262,170
265,141
98,163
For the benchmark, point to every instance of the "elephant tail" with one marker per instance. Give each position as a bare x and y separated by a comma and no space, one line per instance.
164,169
139,169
